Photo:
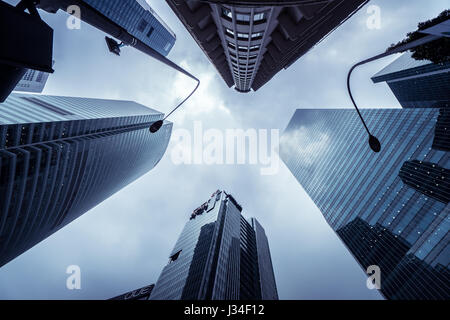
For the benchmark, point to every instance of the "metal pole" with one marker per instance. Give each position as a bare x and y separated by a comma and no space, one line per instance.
373,141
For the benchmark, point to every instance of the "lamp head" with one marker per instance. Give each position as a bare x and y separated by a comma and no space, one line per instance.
374,143
156,126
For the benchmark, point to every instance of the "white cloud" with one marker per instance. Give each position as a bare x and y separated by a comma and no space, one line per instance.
303,144
206,100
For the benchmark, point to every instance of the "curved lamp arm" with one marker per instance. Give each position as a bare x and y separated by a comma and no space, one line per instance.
374,143
158,124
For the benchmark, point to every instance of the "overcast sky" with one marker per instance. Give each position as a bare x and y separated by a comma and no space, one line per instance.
124,242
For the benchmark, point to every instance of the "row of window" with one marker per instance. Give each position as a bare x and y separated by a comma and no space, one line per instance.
244,17
244,36
250,56
244,48
249,70
250,63
247,74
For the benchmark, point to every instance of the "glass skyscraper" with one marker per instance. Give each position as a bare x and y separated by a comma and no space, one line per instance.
61,156
218,256
390,208
139,19
417,83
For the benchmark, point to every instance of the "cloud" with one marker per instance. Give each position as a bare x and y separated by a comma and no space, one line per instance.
305,144
123,243
206,100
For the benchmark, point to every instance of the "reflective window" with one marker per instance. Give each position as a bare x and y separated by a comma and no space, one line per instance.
243,17
229,32
142,25
243,35
257,35
259,16
227,12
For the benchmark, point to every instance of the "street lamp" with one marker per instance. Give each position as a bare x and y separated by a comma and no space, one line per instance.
114,47
101,22
374,143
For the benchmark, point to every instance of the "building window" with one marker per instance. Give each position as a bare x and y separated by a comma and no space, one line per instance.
227,13
231,45
257,35
242,35
149,33
243,48
167,47
230,32
142,25
259,17
242,17
254,48
40,76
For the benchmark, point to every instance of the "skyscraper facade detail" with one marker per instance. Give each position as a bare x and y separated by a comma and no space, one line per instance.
32,81
390,208
140,20
138,294
417,83
62,156
249,44
427,178
218,256
442,131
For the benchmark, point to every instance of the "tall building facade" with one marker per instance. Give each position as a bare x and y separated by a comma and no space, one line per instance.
62,156
32,81
390,209
218,256
417,83
140,20
250,43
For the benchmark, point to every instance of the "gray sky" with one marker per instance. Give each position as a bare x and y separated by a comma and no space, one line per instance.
124,242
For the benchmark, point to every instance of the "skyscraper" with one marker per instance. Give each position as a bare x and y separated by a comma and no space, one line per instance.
417,83
32,81
140,20
218,256
390,209
62,156
250,43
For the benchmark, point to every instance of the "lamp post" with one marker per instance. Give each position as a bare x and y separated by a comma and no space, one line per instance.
101,22
374,143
